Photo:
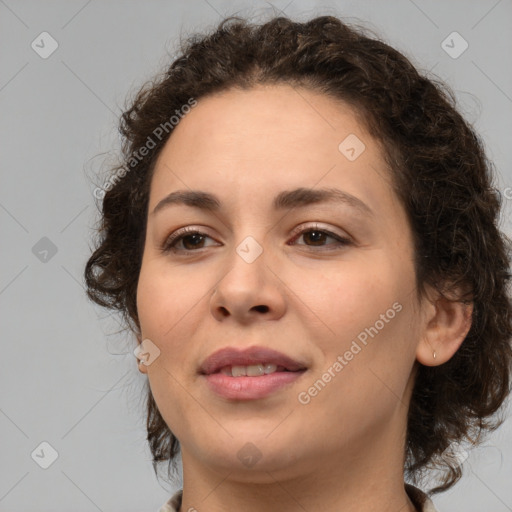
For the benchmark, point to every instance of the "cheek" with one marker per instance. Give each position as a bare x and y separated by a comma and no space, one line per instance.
165,300
165,296
347,296
361,310
367,310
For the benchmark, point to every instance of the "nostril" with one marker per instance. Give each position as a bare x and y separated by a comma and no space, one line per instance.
261,309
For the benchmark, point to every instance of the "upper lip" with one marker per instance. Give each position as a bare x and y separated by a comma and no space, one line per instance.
229,356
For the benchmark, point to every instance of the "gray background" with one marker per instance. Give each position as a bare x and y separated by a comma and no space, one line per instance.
69,377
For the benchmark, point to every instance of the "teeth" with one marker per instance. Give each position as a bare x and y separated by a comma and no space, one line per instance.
240,371
253,370
270,368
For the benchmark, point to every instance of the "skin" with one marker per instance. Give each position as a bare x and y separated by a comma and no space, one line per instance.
344,449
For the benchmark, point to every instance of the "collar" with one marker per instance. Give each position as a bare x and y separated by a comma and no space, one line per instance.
420,500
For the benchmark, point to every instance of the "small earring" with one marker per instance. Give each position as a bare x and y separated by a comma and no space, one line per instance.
434,354
140,366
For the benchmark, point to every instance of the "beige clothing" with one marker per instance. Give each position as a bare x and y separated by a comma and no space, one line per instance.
421,501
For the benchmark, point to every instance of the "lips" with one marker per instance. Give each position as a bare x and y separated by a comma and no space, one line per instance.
229,356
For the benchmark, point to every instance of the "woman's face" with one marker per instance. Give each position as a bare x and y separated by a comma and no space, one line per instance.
279,278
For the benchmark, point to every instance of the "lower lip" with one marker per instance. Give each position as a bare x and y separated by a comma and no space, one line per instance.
250,388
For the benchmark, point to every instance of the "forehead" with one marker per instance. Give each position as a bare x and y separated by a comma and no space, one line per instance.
259,141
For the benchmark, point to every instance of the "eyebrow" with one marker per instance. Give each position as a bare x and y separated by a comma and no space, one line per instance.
296,198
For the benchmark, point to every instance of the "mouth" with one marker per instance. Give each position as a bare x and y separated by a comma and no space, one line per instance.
253,370
251,362
251,374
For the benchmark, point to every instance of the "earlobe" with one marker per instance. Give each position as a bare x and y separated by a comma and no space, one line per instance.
444,331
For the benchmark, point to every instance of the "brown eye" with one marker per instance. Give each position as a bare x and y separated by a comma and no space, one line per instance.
185,240
315,237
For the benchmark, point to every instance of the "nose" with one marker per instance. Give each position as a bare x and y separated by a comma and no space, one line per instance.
248,292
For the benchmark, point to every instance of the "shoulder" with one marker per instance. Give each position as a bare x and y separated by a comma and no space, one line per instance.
173,504
421,501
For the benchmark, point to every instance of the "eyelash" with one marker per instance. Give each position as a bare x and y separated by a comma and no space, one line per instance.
169,244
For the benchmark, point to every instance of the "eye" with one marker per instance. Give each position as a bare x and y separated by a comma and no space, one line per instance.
318,236
189,238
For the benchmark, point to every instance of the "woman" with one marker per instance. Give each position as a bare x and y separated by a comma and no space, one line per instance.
303,238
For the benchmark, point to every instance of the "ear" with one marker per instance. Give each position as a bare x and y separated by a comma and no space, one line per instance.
446,324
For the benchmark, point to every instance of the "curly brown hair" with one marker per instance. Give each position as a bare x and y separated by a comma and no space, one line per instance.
440,174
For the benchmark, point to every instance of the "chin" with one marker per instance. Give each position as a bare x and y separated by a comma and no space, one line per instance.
251,457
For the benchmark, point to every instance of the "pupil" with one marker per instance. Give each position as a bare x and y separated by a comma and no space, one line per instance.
315,239
196,236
